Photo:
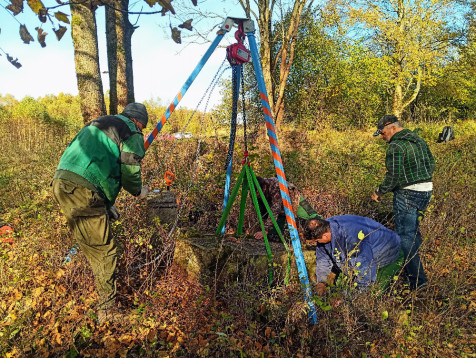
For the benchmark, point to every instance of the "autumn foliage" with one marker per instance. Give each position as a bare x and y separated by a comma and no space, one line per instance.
48,308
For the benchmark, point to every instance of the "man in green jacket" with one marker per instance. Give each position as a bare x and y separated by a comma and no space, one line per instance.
410,167
103,157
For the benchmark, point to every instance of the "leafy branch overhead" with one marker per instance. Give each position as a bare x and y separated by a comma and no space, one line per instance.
44,14
16,7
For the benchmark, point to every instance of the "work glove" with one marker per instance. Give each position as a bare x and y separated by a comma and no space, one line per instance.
143,192
113,214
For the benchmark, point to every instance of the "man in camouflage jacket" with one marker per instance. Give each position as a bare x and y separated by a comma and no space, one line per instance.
103,157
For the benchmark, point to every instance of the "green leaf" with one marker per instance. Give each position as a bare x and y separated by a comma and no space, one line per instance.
62,17
384,315
361,235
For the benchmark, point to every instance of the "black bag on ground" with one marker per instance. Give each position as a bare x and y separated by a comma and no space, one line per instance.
446,135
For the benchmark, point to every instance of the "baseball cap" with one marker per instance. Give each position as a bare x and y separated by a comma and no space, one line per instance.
385,121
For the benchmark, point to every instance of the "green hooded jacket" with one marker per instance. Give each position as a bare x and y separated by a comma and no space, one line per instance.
104,156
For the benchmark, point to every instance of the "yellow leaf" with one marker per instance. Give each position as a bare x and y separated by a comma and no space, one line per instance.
57,339
62,17
36,5
38,291
125,339
17,294
59,273
361,235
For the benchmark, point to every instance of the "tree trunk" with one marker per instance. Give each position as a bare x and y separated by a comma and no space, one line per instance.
111,44
287,47
264,24
118,34
397,101
127,44
270,57
86,58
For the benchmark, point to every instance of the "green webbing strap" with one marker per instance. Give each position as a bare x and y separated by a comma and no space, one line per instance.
276,226
234,192
255,203
244,195
251,183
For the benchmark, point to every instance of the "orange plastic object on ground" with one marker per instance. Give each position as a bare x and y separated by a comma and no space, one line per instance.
169,178
6,234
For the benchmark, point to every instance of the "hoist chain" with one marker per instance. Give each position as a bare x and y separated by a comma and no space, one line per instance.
210,89
234,111
243,107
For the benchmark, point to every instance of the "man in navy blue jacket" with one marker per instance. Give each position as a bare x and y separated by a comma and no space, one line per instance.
351,244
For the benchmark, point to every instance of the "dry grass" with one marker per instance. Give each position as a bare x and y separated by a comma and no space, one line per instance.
48,309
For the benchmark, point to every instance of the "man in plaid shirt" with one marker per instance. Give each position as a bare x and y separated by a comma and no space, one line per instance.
410,167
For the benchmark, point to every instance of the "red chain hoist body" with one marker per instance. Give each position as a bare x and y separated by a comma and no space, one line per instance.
238,54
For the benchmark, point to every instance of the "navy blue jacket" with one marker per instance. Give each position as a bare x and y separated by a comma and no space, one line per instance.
376,247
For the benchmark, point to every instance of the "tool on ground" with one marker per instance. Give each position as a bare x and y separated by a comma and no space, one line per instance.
169,178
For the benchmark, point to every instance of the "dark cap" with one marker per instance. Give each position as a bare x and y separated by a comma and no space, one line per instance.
385,121
136,111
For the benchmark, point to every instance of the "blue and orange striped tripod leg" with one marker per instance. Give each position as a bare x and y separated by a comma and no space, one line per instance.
278,164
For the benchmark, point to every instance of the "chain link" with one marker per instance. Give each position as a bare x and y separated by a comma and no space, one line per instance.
243,107
235,96
162,164
209,90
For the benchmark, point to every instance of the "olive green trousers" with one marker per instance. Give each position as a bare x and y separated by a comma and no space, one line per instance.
87,217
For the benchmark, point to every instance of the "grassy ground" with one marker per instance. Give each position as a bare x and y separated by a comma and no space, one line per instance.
48,309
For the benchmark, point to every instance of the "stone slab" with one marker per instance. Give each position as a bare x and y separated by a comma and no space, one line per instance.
224,258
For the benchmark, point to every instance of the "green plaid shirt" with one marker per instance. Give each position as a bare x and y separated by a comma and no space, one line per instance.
409,161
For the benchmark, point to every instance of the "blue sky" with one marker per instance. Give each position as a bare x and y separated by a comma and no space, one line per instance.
160,65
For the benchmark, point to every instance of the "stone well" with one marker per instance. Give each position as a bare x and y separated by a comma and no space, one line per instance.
210,258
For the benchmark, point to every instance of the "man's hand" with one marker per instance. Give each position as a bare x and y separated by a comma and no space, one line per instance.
320,288
143,192
259,235
375,197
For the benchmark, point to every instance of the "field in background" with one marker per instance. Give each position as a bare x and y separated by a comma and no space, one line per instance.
48,309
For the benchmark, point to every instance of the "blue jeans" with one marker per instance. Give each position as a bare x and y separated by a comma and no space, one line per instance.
408,207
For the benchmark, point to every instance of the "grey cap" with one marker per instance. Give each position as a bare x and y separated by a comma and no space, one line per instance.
136,111
385,121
